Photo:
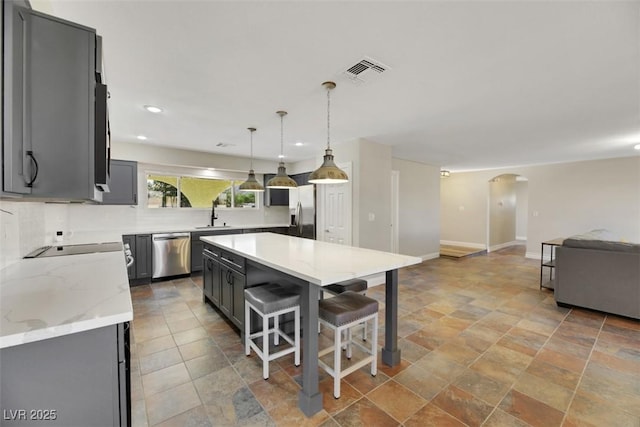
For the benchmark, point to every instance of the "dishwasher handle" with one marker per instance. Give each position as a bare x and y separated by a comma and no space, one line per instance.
170,236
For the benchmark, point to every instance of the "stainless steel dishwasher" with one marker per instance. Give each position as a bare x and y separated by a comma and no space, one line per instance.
171,254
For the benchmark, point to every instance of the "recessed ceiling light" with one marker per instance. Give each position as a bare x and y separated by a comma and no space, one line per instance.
637,146
299,144
142,137
153,109
281,156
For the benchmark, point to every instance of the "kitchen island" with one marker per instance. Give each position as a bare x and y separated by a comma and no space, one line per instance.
64,341
311,264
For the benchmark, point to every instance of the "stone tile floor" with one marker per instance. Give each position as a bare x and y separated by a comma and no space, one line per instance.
481,345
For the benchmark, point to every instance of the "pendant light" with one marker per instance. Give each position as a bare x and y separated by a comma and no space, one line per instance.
251,184
328,173
281,180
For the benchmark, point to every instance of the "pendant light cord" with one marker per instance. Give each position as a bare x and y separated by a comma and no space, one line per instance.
251,161
328,118
282,137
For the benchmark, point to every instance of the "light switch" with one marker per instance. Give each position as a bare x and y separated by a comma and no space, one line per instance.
372,216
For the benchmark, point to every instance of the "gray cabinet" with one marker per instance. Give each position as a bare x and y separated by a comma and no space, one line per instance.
123,187
275,196
131,241
141,248
49,106
212,279
80,379
232,286
197,246
224,281
143,256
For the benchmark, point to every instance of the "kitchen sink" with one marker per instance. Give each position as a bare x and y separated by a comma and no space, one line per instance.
212,226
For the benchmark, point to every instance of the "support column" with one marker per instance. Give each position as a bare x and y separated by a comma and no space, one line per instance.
310,398
390,351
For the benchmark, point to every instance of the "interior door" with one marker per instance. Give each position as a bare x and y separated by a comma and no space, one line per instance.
336,209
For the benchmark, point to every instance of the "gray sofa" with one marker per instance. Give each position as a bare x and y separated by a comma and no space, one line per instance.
599,274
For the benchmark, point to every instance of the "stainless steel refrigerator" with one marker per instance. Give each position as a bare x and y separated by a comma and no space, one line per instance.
302,207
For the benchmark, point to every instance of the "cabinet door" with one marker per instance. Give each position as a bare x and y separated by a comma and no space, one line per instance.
197,247
238,282
143,256
123,188
207,277
131,240
16,169
60,72
216,283
275,196
226,291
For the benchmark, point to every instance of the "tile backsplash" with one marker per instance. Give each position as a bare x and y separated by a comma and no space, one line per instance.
22,229
25,226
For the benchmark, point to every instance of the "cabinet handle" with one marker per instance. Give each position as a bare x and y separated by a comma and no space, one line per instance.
35,162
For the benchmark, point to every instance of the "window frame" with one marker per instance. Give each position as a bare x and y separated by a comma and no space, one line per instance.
179,176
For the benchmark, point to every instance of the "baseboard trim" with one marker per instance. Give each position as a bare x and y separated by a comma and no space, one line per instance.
465,244
502,246
432,255
533,255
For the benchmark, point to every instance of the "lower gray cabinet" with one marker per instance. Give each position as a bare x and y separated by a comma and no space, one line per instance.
80,379
131,241
197,246
211,277
224,282
123,188
141,248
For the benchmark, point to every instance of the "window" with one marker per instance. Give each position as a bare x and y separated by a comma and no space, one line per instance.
164,191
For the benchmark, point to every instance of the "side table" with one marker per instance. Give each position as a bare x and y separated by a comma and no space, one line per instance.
551,263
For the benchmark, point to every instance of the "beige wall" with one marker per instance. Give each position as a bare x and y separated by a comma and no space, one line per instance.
153,154
502,211
522,209
419,213
564,199
374,196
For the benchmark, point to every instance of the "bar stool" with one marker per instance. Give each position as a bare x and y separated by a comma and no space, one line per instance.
270,302
355,285
340,313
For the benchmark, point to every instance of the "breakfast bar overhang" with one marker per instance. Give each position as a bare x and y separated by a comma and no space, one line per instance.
312,265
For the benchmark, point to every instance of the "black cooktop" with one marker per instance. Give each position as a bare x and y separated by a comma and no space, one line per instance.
61,250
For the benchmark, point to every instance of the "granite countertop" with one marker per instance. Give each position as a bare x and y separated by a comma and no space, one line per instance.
317,262
44,298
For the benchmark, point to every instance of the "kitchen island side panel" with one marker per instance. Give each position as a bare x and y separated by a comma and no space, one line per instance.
71,380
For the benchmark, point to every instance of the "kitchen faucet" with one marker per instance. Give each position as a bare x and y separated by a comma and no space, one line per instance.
213,212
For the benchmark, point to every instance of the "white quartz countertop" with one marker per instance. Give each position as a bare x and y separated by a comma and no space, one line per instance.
101,236
314,261
49,297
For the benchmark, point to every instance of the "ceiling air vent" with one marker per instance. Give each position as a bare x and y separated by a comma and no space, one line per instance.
365,70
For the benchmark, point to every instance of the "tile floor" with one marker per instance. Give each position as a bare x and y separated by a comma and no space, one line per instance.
481,345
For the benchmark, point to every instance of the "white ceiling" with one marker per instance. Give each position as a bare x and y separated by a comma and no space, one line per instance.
471,85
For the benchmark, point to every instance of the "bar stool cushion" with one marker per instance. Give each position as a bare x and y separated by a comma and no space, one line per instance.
354,285
347,307
271,298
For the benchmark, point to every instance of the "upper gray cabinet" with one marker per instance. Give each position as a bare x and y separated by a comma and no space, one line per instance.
50,77
123,188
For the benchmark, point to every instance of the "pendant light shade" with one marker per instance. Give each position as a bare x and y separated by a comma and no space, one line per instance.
251,184
281,180
328,173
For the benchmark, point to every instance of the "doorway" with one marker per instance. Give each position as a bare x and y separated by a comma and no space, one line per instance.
507,211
